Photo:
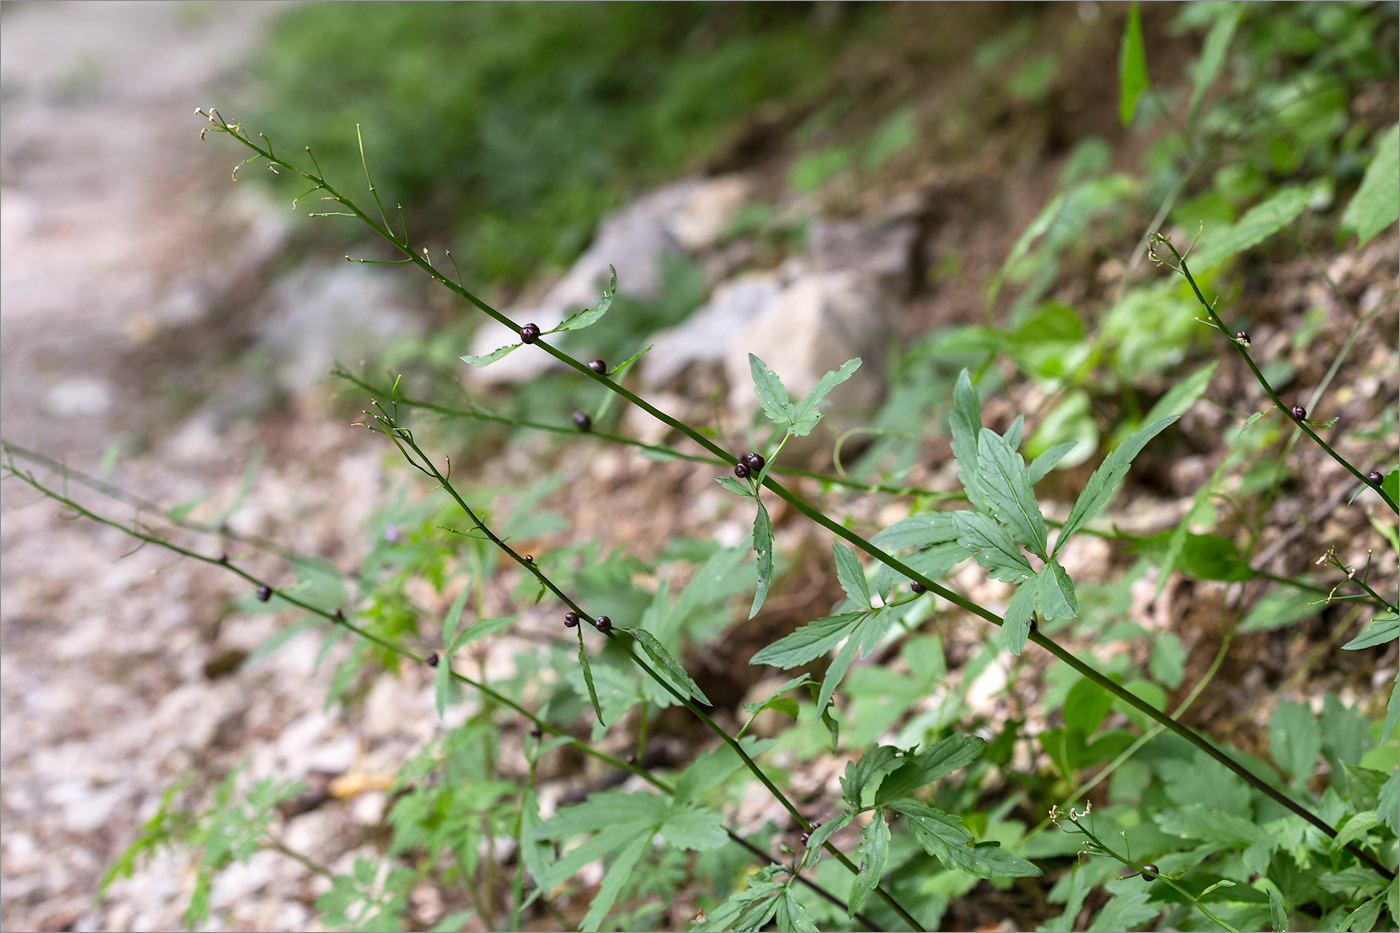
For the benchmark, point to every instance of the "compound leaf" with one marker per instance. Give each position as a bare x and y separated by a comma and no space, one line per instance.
1001,474
804,416
771,394
992,546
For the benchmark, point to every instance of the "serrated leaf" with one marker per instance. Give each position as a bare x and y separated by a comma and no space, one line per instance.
658,653
581,319
1103,485
1001,474
863,777
766,702
621,368
964,424
486,359
1128,908
1278,915
734,486
1294,742
763,544
1383,629
1208,824
1257,225
1020,610
992,546
771,394
1057,599
817,837
804,416
842,662
944,837
1249,422
791,915
693,829
1132,67
588,678
918,531
850,574
874,856
1042,465
617,875
1388,797
917,771
809,642
1376,204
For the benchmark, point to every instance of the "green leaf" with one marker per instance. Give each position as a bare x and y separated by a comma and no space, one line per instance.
809,642
863,777
1132,67
1038,227
768,702
1293,741
617,875
1046,462
1208,824
1257,225
863,640
750,908
1376,204
452,620
734,486
805,416
1283,607
1127,910
918,531
1086,705
791,915
1103,485
487,359
1201,557
763,544
443,685
1278,915
850,574
1167,661
1057,599
1016,623
588,677
818,837
621,368
1207,67
917,771
1388,797
944,837
693,829
874,856
993,547
480,629
581,319
1001,474
771,394
1383,629
964,424
658,653
1182,395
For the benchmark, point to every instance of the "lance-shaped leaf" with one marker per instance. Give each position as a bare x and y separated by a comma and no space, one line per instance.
581,319
588,678
771,394
1103,485
1383,628
1001,474
805,414
993,547
486,359
916,771
850,575
809,642
874,856
1016,623
658,653
818,837
1057,599
964,424
943,835
863,640
1046,462
763,544
921,530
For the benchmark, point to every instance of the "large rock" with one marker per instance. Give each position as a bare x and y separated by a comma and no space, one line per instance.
689,215
704,336
883,249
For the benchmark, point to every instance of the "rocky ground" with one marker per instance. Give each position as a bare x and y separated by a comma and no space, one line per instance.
152,321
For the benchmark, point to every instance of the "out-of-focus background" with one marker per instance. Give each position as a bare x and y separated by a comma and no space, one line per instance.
807,181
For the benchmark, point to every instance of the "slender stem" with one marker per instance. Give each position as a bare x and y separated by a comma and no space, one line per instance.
856,540
1259,376
335,617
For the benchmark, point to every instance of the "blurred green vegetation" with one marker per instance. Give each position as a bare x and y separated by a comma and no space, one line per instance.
516,126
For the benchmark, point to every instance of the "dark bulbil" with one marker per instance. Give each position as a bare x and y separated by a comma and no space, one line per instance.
754,462
529,333
536,731
570,619
1298,412
598,366
1375,477
432,659
582,421
604,624
741,470
918,588
264,593
1242,338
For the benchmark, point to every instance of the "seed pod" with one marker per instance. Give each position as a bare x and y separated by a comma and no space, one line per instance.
583,422
603,624
264,593
529,333
570,619
918,588
1242,338
1298,412
1375,477
754,462
741,470
432,659
598,366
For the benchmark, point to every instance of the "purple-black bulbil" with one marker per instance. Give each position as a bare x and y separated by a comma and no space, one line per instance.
1298,412
529,333
741,470
432,659
1242,338
338,615
598,366
603,624
536,731
918,588
1375,477
529,558
582,421
754,462
223,558
570,619
264,593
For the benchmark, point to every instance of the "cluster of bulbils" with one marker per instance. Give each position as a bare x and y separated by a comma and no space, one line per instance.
531,332
750,464
602,623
